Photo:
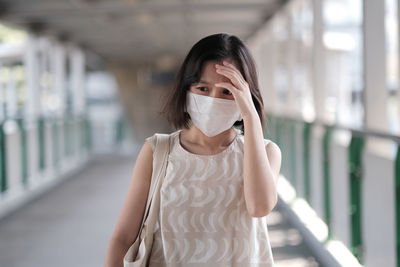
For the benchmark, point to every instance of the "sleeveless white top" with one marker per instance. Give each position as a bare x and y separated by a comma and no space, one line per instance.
203,219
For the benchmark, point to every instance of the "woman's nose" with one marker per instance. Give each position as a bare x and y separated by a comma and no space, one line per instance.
215,93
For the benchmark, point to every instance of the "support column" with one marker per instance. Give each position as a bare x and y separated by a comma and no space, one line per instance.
2,115
319,63
42,66
58,73
269,57
376,93
3,164
292,110
78,81
59,77
32,104
398,75
32,80
11,94
77,62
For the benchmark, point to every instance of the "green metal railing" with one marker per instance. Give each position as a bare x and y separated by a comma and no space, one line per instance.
294,162
3,159
306,160
291,164
42,147
84,141
397,207
355,169
88,133
82,133
56,143
119,128
355,152
280,131
52,128
67,136
24,150
326,170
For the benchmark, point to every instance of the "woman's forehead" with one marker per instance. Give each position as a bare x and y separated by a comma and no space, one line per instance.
209,74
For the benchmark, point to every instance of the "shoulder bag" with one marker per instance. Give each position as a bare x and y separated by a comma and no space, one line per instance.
139,252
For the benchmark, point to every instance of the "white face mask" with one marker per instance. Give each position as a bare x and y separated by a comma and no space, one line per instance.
210,114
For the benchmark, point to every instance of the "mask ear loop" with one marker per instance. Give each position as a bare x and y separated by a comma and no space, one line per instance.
185,109
194,101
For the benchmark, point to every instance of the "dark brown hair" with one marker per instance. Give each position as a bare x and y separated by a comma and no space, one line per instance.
215,47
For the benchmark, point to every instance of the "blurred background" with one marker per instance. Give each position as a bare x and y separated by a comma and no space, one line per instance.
81,84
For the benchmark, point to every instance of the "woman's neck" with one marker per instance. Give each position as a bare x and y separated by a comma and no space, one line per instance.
196,137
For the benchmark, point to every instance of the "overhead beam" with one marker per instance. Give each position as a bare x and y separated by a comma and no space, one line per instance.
122,8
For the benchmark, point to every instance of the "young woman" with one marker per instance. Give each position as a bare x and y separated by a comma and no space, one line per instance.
221,180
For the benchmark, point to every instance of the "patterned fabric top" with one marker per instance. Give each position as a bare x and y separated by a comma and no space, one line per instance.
203,217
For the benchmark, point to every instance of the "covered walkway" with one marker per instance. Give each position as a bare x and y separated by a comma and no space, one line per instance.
71,224
81,85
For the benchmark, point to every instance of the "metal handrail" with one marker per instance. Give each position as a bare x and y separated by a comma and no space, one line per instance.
356,131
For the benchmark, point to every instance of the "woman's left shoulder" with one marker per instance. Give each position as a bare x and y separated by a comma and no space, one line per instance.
272,148
274,155
270,143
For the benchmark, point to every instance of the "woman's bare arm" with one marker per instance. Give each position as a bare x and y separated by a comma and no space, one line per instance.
131,215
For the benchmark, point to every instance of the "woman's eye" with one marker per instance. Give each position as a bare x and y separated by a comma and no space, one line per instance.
227,92
202,88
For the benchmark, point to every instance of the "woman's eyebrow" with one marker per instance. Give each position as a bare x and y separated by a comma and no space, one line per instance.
202,81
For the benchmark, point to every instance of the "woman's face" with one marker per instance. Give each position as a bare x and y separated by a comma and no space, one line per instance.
208,78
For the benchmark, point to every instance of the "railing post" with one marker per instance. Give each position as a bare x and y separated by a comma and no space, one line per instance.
82,132
269,127
355,171
88,133
24,151
56,143
306,160
3,159
397,204
41,135
72,134
119,131
326,170
67,135
292,148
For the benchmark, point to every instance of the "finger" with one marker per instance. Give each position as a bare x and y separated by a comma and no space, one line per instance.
231,76
230,65
235,72
226,63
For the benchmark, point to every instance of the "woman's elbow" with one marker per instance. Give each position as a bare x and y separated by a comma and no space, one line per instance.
265,210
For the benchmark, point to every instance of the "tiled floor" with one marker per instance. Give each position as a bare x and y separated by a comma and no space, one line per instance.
71,225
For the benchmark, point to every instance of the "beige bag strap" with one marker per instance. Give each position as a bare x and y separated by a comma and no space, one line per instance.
160,160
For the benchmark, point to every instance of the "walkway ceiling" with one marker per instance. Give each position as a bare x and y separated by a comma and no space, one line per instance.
138,31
